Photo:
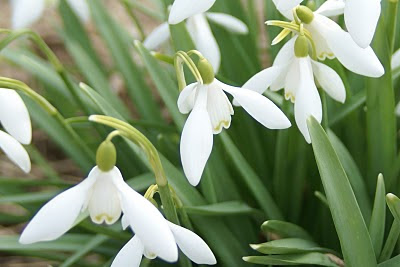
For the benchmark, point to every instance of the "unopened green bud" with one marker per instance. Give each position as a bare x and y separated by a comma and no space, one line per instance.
301,46
206,71
305,14
106,156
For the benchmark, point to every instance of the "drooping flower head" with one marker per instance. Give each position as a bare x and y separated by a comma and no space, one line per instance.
14,118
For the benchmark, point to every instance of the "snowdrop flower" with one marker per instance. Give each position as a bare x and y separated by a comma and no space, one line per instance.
285,6
14,117
198,28
190,244
105,195
294,71
331,41
26,12
210,112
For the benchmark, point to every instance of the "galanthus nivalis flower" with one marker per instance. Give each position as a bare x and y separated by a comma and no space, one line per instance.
296,75
210,112
189,243
14,117
105,195
332,41
201,33
183,9
26,12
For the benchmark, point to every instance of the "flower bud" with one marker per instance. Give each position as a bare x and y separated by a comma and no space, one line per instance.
106,156
206,71
305,14
301,46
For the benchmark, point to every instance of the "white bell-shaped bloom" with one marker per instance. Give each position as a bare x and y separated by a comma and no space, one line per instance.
26,12
285,6
200,31
105,196
183,9
332,41
210,112
296,76
14,118
189,243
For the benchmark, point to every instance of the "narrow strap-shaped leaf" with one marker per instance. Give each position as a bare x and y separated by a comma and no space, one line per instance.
285,229
377,224
289,246
353,234
221,209
313,258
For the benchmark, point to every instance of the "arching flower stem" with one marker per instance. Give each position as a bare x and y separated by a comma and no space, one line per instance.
180,58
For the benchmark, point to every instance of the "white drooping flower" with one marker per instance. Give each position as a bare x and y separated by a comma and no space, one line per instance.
14,118
210,112
26,12
183,9
105,196
296,75
189,243
201,34
332,41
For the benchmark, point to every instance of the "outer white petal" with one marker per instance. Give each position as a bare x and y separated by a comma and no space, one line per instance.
81,8
292,80
104,204
219,109
396,60
15,151
147,223
157,37
14,116
308,102
186,98
330,81
321,45
359,60
228,22
124,222
197,139
331,8
286,54
25,12
56,217
259,107
183,9
204,40
192,245
262,80
361,17
130,255
284,5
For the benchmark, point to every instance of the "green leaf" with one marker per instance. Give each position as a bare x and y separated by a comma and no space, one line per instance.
354,238
393,262
289,246
314,258
377,224
221,209
285,229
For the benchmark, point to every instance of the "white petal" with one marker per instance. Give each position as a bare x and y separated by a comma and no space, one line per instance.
183,9
259,107
197,139
204,40
330,81
192,245
157,37
331,8
56,217
81,8
219,109
147,223
14,116
104,204
361,17
228,22
124,222
359,60
186,98
286,54
279,82
25,12
396,60
284,5
292,80
321,46
15,151
262,81
130,255
308,102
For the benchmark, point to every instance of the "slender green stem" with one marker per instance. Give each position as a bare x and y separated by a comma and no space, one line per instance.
390,242
128,8
392,22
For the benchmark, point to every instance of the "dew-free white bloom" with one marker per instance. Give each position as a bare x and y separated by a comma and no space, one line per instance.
210,112
189,243
202,36
105,196
14,118
26,12
296,76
